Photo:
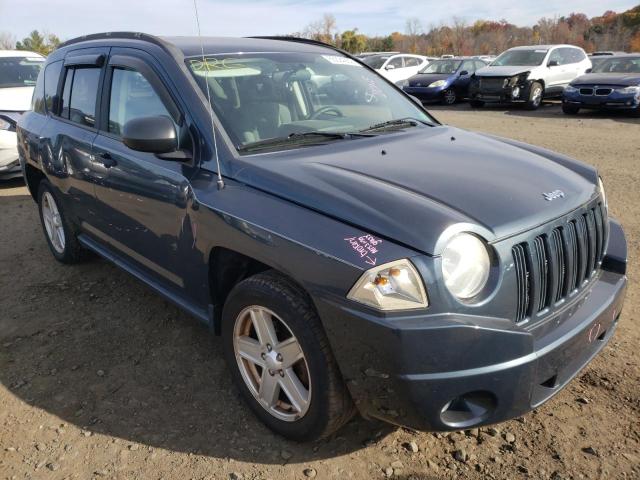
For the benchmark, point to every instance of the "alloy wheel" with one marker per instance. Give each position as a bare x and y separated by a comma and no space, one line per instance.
449,97
536,98
272,363
53,222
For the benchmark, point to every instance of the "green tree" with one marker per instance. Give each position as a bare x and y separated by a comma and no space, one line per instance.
39,43
352,41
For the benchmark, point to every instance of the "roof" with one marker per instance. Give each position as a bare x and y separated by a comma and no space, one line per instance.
542,47
19,53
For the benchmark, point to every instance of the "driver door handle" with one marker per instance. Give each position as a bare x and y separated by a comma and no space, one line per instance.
107,160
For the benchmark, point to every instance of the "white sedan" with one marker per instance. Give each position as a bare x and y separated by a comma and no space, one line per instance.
18,74
396,66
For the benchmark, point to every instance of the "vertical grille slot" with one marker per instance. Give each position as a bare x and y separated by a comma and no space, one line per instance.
542,259
559,267
591,242
597,213
583,250
572,255
521,262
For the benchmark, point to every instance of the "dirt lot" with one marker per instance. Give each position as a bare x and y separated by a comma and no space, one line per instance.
99,377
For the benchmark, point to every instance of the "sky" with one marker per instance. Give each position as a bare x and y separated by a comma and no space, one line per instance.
71,18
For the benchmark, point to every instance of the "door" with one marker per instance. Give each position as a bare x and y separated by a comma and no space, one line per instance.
556,72
394,69
412,66
466,70
143,199
74,124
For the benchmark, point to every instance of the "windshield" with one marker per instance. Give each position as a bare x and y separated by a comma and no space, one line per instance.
261,96
19,71
618,65
375,61
442,66
520,58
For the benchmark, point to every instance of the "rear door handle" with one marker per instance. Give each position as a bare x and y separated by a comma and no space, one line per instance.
107,160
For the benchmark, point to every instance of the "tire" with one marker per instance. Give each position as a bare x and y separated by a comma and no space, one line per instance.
449,97
536,93
276,298
58,230
570,109
476,103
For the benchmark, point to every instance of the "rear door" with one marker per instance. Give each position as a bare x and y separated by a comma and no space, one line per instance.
556,74
143,199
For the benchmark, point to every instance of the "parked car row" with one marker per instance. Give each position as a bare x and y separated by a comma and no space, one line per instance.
519,76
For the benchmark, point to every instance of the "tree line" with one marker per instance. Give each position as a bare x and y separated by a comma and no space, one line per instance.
610,31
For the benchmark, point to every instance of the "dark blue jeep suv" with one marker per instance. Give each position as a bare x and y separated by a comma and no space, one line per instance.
354,253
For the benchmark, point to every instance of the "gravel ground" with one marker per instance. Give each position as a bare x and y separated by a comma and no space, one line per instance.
101,378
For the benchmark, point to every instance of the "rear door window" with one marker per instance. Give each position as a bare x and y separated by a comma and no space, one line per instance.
396,62
412,61
80,94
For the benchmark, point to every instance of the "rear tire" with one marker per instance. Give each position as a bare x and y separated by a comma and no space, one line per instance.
58,230
275,301
570,109
476,103
536,93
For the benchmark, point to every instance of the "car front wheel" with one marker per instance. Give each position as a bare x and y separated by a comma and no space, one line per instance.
449,97
280,359
535,96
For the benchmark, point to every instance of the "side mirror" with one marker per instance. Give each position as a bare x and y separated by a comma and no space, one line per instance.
552,63
463,73
150,134
390,67
588,70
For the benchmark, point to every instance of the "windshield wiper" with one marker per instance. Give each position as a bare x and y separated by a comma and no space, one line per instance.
303,137
398,122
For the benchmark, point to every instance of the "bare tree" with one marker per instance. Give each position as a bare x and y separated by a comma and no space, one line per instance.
7,41
413,30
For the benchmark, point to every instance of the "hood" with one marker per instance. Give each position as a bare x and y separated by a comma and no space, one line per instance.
623,79
16,99
425,79
427,180
501,71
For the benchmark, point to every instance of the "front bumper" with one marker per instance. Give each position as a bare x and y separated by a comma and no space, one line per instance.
448,372
9,164
508,94
426,94
614,101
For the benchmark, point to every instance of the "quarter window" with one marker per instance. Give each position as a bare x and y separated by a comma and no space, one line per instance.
132,96
80,94
51,77
37,100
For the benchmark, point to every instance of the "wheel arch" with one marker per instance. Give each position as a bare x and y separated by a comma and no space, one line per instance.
33,177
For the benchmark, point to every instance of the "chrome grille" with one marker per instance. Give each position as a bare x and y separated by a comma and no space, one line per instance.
559,262
493,84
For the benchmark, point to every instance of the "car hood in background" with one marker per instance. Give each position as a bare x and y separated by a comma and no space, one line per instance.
490,71
410,186
16,99
623,79
426,79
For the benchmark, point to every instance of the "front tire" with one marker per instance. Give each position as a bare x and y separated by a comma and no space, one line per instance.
280,359
449,97
536,93
58,230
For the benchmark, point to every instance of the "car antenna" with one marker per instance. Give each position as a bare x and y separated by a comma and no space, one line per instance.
220,182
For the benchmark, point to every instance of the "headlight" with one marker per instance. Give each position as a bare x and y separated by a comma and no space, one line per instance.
402,83
465,265
438,83
520,78
392,286
4,125
570,89
628,90
602,194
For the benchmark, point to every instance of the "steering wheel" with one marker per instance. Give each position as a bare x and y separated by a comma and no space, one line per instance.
328,109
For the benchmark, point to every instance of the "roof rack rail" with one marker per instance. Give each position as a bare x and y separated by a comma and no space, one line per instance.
117,35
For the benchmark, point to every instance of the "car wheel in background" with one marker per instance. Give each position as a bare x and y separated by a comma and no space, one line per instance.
280,358
58,231
449,97
535,96
570,109
476,103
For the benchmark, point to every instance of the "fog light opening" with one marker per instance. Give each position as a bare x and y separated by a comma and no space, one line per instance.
515,92
468,409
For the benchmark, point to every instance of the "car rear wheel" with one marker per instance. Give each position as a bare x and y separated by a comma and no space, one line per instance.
535,96
280,359
58,231
449,97
570,109
476,103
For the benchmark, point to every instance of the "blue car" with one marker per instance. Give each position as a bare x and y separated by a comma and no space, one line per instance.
443,81
613,84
